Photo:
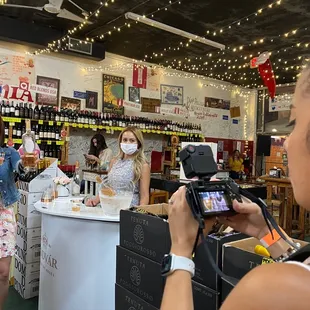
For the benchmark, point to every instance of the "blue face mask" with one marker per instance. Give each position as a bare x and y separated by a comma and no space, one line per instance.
129,148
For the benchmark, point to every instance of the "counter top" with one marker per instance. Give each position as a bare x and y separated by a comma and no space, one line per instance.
62,207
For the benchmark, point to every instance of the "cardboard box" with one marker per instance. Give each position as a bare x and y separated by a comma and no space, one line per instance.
145,234
139,275
239,257
204,273
26,278
125,300
142,277
28,244
42,181
204,297
26,213
226,289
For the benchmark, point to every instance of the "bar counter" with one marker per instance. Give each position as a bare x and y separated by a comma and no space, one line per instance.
171,185
78,257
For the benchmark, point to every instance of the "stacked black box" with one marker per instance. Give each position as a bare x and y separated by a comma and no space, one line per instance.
144,240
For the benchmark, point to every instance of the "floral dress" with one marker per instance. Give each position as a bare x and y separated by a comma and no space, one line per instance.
7,230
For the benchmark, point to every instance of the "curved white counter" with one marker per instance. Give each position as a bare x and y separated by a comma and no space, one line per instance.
78,257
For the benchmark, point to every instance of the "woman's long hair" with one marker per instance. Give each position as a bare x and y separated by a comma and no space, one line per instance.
101,145
139,157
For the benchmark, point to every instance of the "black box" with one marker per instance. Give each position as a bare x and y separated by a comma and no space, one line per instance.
226,289
204,273
125,300
204,297
144,234
140,276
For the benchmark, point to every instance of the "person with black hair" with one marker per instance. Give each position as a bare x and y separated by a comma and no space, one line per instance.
10,164
236,165
99,153
267,286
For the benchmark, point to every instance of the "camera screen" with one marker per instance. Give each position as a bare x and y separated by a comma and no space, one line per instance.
214,201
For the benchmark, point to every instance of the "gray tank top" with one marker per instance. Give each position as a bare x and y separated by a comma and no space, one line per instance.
122,174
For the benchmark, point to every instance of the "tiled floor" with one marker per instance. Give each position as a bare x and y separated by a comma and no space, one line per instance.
15,302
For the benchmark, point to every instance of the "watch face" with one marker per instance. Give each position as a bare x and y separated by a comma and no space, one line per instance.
166,264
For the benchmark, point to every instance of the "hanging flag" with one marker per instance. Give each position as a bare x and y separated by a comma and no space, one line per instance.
263,63
139,76
267,75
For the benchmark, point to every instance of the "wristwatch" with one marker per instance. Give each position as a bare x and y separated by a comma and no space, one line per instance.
172,262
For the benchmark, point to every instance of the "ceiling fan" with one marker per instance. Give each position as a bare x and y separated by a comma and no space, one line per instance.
54,7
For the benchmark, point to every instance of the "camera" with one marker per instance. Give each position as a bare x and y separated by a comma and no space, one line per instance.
204,197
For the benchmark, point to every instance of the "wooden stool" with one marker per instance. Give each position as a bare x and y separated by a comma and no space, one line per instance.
157,196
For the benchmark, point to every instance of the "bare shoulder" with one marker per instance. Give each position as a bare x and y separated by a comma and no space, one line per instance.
146,166
265,286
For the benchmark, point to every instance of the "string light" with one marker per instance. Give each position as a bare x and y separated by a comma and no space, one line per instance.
2,2
128,25
245,19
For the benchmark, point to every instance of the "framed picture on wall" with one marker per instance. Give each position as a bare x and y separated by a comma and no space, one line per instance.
70,103
48,99
170,94
134,94
91,100
113,90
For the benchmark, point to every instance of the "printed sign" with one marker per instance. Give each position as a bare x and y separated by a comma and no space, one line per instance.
40,89
280,103
79,94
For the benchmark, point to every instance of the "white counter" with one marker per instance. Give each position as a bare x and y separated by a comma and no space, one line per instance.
78,257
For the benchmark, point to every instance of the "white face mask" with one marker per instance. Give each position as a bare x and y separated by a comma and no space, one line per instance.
129,148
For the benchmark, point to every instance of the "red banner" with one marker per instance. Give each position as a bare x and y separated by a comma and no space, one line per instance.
139,76
267,75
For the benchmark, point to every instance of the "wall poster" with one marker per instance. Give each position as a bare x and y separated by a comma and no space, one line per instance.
17,75
91,100
113,89
48,99
153,78
70,103
170,94
217,103
134,94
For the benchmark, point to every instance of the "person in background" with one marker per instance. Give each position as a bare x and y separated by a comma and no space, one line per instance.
235,165
10,163
99,153
266,286
130,166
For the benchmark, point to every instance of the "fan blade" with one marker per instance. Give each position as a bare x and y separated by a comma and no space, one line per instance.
23,6
68,15
56,3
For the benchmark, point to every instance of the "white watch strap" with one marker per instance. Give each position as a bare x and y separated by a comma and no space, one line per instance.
182,263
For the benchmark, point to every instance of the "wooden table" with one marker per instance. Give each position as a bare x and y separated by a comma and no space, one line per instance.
286,209
89,176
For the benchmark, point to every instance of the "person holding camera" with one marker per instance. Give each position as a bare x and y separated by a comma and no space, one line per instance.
267,286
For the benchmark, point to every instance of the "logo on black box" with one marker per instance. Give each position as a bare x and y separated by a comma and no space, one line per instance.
138,234
135,275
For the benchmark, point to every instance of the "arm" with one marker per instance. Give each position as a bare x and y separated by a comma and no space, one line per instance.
265,287
145,185
178,292
16,162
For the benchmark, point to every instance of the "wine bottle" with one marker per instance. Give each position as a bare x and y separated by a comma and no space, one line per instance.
26,110
12,109
17,109
30,112
21,110
76,181
36,112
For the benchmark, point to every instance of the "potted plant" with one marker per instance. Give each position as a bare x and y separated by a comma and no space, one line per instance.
61,184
